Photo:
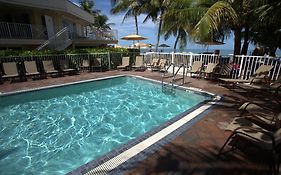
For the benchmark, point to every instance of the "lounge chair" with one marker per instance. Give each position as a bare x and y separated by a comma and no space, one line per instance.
257,77
31,69
65,68
162,65
268,141
139,65
261,115
125,63
96,64
85,65
224,70
274,87
49,68
10,71
209,71
154,64
196,68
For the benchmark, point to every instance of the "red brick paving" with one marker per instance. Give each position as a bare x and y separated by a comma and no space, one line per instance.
195,151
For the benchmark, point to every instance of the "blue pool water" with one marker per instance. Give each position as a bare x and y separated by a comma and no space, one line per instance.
56,130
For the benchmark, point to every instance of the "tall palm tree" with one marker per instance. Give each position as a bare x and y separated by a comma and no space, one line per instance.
182,18
175,26
88,6
236,15
101,23
155,10
132,8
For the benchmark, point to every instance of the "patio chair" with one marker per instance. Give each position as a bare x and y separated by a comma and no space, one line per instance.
154,64
139,65
49,68
257,77
261,115
224,70
125,63
96,64
65,68
274,87
31,69
85,65
268,141
209,71
10,71
196,68
162,65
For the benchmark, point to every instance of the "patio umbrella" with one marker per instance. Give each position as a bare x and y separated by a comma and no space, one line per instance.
133,37
163,45
145,45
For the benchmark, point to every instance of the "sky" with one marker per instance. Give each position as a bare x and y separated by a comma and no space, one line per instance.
148,29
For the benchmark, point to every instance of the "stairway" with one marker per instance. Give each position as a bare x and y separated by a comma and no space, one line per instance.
59,41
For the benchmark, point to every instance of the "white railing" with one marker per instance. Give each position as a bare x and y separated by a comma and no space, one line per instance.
95,34
22,31
241,66
60,41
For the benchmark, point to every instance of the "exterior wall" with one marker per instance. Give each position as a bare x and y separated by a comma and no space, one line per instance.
35,17
63,6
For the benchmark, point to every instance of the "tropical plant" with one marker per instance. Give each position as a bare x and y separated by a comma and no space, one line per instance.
88,6
155,10
101,23
132,8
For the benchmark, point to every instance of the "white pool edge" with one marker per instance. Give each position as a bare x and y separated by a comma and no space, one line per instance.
133,151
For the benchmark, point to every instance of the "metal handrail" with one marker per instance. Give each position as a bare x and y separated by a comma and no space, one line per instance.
55,38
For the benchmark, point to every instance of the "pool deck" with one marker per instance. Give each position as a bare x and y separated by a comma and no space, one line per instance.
195,151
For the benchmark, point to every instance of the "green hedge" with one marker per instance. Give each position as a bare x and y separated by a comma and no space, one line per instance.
10,52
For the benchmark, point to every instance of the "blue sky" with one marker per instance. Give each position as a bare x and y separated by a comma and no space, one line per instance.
148,29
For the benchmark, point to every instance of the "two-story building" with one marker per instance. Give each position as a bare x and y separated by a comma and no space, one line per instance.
56,24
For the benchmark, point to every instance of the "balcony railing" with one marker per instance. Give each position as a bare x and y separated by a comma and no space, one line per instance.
94,34
22,31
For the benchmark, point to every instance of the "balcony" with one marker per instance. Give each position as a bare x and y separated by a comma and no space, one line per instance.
22,31
20,35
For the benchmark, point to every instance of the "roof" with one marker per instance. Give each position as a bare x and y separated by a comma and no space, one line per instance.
57,5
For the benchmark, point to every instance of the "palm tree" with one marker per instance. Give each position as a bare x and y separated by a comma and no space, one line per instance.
235,15
155,10
180,20
130,7
88,6
175,26
101,23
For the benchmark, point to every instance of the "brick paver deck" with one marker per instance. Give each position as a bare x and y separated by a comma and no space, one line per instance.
195,150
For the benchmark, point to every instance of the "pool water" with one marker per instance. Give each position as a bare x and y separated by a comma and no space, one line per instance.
56,130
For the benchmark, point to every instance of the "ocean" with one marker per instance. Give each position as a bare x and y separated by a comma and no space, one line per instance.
222,51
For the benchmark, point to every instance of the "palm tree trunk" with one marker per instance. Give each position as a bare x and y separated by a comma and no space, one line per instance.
159,32
136,23
246,41
237,40
176,42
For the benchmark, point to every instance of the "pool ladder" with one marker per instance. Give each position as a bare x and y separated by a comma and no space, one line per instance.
173,77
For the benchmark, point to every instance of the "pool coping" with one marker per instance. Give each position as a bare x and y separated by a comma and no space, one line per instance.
127,155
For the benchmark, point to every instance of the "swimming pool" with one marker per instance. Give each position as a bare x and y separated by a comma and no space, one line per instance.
54,131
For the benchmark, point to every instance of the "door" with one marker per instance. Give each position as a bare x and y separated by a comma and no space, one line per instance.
49,26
